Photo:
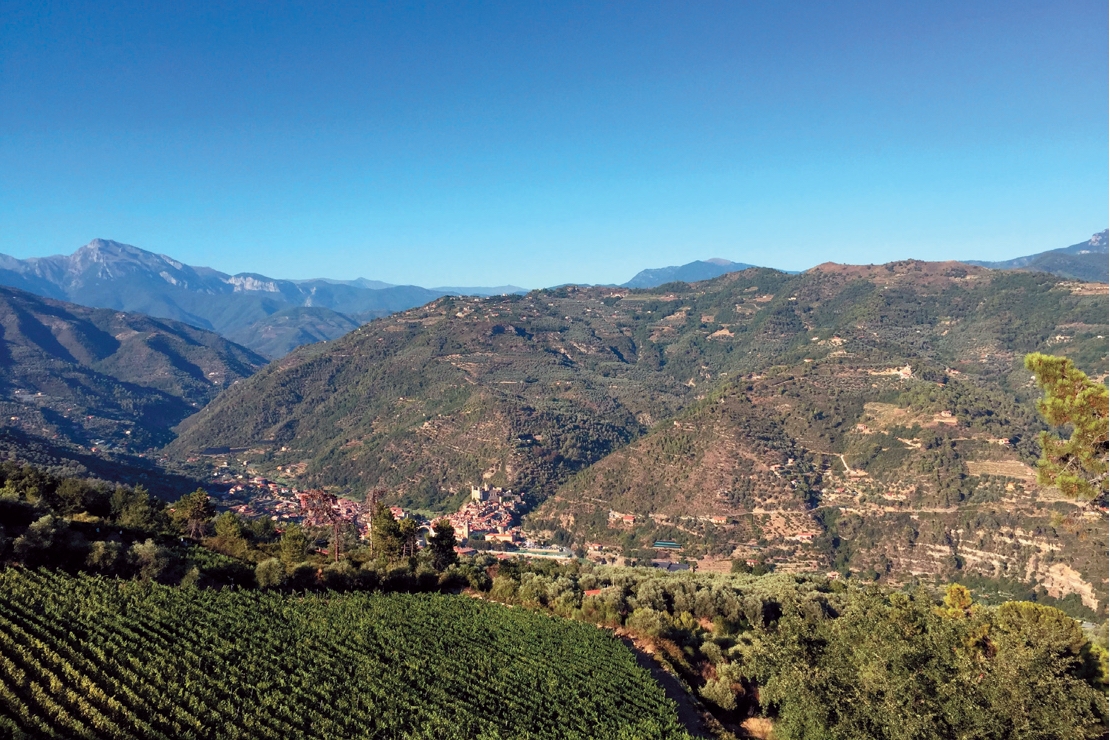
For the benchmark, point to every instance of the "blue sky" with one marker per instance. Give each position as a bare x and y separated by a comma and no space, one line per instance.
541,143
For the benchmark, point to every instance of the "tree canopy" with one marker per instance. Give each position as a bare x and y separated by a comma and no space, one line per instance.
1077,465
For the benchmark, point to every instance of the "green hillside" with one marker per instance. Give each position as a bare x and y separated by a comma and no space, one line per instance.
97,658
867,419
526,390
73,373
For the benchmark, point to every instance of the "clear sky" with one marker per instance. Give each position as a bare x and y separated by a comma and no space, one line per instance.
538,143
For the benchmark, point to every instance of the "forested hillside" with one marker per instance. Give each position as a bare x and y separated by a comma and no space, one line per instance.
79,374
869,418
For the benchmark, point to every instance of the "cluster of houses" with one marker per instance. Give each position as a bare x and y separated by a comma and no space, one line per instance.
490,512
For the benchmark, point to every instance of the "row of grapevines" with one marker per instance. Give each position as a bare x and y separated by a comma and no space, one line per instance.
99,658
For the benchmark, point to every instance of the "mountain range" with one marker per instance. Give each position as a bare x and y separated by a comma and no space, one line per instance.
249,308
1089,260
875,418
273,316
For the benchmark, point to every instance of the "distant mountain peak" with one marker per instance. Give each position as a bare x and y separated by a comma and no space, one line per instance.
109,248
1082,261
1100,239
691,272
104,251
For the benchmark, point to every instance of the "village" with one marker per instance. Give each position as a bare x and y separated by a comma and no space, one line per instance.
488,520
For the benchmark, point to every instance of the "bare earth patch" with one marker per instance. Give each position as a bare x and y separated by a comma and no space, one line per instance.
1003,468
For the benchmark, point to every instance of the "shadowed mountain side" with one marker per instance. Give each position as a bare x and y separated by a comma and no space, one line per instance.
84,373
67,460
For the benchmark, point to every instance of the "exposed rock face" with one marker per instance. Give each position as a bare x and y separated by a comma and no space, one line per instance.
1059,580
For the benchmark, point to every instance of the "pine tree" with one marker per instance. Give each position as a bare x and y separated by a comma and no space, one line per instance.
1077,465
294,545
193,510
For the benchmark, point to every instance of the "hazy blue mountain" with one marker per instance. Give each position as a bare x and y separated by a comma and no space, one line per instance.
688,273
107,274
1083,261
480,291
281,332
357,282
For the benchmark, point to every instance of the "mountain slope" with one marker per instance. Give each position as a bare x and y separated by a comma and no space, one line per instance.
721,461
868,418
804,468
1089,260
281,332
80,373
691,272
529,389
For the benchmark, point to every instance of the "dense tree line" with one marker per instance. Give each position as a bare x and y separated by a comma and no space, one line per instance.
88,525
829,660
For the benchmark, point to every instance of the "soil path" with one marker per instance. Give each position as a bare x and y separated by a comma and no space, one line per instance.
688,712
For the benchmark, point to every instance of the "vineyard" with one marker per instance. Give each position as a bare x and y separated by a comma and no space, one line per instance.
100,658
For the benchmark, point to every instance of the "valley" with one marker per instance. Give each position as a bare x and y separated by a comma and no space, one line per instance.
98,378
869,420
798,430
786,453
